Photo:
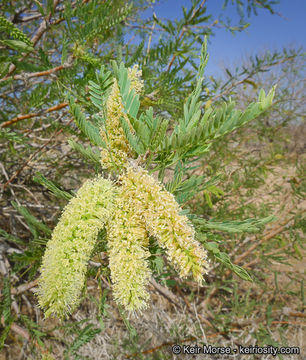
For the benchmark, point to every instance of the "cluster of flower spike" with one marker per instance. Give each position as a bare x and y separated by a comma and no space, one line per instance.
160,213
132,209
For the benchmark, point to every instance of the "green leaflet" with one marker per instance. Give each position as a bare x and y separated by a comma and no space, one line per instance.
14,32
99,91
192,137
247,225
17,45
84,125
88,153
148,131
132,139
224,259
34,224
55,190
129,98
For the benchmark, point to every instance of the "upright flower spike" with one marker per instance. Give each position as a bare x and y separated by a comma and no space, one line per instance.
118,150
64,263
127,251
160,212
134,75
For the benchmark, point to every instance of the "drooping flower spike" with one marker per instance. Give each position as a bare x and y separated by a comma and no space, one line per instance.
127,251
144,207
65,260
160,212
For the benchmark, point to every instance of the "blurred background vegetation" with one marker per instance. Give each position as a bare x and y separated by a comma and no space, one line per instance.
51,49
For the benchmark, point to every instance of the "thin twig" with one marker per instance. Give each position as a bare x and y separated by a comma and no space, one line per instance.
237,83
198,316
266,237
149,41
24,287
18,330
41,73
165,292
31,115
183,32
33,155
36,37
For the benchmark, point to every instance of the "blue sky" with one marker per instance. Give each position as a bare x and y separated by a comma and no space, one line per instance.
266,31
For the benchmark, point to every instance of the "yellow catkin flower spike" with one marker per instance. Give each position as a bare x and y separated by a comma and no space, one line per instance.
134,75
127,251
65,260
118,150
160,212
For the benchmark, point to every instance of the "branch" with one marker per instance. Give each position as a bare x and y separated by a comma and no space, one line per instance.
36,37
165,292
31,115
33,155
183,32
26,76
266,236
249,76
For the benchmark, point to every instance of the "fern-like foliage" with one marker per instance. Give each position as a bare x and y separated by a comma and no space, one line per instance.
106,17
99,91
83,337
194,133
36,226
12,31
5,311
136,56
29,260
148,130
53,188
162,52
195,137
87,153
247,225
129,97
11,238
6,300
87,128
